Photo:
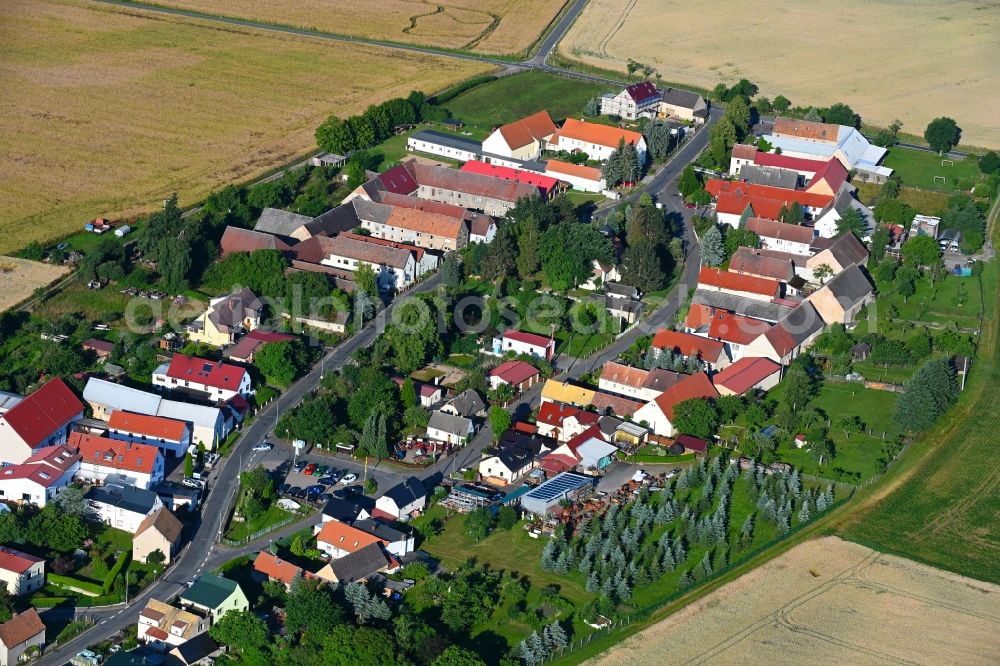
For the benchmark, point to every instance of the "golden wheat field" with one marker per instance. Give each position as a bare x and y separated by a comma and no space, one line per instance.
909,59
829,601
494,27
106,111
20,277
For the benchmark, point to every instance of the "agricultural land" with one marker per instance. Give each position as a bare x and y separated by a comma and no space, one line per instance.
832,598
20,277
109,111
491,27
913,59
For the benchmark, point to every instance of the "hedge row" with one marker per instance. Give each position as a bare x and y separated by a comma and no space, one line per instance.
79,602
72,583
455,91
109,580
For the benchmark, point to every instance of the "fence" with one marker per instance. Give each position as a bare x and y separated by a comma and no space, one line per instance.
261,532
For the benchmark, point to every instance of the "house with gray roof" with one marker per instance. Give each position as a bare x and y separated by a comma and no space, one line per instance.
761,175
402,500
682,104
122,506
741,305
468,403
445,427
357,566
840,299
281,223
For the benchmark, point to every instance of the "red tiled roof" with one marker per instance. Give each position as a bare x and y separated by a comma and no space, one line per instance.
115,453
545,183
593,432
408,201
619,405
347,538
785,162
527,338
735,282
521,426
642,91
806,129
555,463
44,468
521,132
236,239
16,561
102,346
275,568
698,315
734,203
741,151
688,344
601,135
210,373
577,170
423,221
418,252
746,373
43,412
21,628
514,372
697,385
624,374
716,187
736,328
398,180
773,229
470,183
158,427
692,443
253,341
833,172
554,413
157,633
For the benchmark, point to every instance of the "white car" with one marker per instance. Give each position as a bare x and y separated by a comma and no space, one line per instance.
263,446
349,478
191,483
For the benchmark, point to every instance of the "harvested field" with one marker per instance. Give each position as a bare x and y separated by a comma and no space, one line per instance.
907,59
493,27
109,110
829,601
20,277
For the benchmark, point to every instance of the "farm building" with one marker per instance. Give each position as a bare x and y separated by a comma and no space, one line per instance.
547,496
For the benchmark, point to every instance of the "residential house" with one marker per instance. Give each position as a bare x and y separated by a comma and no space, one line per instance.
211,380
244,350
450,146
516,455
625,310
638,99
159,531
589,449
523,139
624,380
213,596
520,342
425,261
749,261
19,634
839,254
733,198
123,507
603,274
101,457
578,176
395,267
39,478
338,539
790,238
102,348
829,179
486,194
268,566
759,175
744,155
344,509
176,496
197,650
825,223
21,573
747,374
612,403
709,352
762,289
482,229
171,436
547,185
562,422
735,332
568,394
843,296
281,223
659,412
788,338
415,226
444,427
238,239
428,395
40,420
598,141
522,376
402,500
226,318
468,403
161,625
814,140
8,400
705,301
395,541
358,566
683,105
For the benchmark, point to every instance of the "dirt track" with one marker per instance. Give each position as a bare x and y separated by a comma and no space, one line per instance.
862,607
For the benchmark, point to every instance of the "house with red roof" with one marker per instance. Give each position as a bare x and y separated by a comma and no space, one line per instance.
519,374
710,352
638,99
732,198
521,342
735,331
172,436
22,573
212,380
39,479
658,414
547,185
788,338
252,342
743,155
522,139
588,450
597,141
778,236
428,395
42,419
101,457
738,284
268,566
22,632
578,176
562,422
748,374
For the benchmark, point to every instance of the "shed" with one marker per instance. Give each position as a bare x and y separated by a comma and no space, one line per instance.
860,351
566,486
122,231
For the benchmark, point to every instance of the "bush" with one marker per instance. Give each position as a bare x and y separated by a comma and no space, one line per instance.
71,582
454,92
109,580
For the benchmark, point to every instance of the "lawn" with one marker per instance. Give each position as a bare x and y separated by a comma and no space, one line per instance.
110,305
393,150
273,515
116,109
893,374
925,202
511,97
918,168
952,300
945,514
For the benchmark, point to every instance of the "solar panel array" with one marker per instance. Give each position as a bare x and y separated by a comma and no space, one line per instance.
558,486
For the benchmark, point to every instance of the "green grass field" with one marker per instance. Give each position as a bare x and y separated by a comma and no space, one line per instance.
273,515
945,514
951,300
511,97
926,202
918,169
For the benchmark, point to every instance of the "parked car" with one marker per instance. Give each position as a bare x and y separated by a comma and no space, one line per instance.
349,478
300,465
297,492
191,483
263,446
317,489
321,470
326,497
284,488
329,480
310,469
689,205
